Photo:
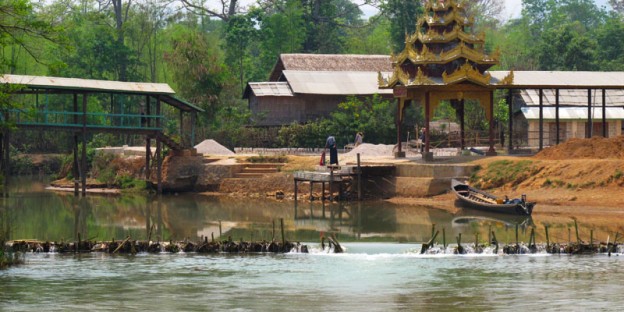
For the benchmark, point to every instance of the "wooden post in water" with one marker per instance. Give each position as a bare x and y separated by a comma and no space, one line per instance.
220,233
212,234
283,238
476,241
517,243
547,238
495,242
295,190
591,238
444,239
578,238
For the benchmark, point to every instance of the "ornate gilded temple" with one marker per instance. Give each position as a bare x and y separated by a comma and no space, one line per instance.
443,60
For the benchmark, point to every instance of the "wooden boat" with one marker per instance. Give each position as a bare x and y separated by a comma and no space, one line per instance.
471,197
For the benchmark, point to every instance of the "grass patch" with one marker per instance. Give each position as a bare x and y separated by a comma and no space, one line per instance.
502,172
268,159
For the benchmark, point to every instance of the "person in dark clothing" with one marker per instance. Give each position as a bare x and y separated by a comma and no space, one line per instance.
333,150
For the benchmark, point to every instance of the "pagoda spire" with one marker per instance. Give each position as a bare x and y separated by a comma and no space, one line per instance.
443,50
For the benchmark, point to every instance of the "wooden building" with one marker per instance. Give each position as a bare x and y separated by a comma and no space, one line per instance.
305,87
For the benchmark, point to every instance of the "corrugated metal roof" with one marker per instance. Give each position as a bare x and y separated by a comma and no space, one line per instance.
334,83
561,79
573,97
87,84
572,113
271,88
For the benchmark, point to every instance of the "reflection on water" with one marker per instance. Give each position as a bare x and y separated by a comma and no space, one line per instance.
44,215
375,274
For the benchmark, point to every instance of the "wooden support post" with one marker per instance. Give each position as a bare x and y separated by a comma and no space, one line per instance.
491,150
444,239
193,118
427,108
462,124
398,122
359,178
510,129
296,190
541,119
331,182
75,170
311,190
557,123
590,121
148,140
83,164
605,127
159,148
220,232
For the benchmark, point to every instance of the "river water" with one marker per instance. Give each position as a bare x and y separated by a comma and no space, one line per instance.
381,269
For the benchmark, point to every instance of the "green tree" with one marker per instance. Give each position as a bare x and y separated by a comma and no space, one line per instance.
402,16
197,67
567,47
610,40
372,115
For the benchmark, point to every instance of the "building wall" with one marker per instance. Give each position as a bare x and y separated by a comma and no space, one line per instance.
284,110
573,129
276,110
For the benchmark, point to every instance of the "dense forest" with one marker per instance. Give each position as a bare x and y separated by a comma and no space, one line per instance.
208,50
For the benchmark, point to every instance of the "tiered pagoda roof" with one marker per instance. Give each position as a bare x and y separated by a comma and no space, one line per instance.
442,51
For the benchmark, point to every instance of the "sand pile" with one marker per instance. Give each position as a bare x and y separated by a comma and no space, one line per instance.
597,148
367,149
212,147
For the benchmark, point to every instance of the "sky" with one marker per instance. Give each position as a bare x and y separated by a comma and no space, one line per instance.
512,8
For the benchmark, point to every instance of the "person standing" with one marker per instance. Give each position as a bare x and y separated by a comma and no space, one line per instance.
359,138
333,150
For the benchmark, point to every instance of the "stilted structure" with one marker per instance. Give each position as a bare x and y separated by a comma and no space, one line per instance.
442,60
127,114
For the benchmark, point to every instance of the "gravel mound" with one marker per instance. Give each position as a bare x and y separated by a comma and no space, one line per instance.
212,147
596,148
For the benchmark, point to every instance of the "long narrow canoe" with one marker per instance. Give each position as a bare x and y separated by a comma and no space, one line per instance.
471,197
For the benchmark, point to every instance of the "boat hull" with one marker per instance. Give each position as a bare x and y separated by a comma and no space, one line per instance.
473,198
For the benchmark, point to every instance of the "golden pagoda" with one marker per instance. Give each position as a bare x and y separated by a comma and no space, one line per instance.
442,60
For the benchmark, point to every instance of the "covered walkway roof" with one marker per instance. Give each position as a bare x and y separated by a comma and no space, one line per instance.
77,85
559,80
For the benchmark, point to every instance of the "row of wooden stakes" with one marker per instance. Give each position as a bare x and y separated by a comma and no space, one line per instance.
128,246
577,247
